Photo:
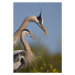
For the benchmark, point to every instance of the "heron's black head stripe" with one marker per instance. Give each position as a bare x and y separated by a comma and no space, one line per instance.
25,30
40,19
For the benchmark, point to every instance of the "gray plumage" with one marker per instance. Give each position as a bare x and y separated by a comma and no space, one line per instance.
28,59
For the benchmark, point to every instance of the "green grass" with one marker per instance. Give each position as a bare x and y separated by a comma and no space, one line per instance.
46,62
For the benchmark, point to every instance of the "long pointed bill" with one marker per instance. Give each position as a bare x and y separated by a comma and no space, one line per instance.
33,35
43,28
33,38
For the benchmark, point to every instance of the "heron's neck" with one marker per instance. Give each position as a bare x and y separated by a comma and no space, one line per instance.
26,46
23,26
29,56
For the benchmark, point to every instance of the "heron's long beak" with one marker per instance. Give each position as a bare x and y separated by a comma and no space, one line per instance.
43,28
34,36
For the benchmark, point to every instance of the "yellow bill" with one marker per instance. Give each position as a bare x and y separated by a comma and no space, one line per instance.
43,28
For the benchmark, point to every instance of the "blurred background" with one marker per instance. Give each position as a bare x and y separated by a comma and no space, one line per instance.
49,48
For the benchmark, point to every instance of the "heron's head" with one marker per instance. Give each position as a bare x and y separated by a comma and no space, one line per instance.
38,20
40,23
26,31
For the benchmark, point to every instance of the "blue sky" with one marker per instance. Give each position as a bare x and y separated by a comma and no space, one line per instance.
52,21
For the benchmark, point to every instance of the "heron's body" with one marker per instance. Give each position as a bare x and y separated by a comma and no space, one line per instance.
28,53
17,51
28,56
17,63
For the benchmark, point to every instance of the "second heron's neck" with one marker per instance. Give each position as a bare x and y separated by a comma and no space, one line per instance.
26,46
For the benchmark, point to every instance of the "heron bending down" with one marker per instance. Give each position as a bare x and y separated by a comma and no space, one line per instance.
28,57
35,19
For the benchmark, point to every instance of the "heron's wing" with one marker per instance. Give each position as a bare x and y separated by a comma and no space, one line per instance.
19,64
17,52
18,60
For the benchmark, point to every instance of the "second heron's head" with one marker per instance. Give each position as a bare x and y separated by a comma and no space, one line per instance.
26,31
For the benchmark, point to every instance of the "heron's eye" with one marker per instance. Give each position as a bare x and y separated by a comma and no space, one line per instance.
40,22
28,32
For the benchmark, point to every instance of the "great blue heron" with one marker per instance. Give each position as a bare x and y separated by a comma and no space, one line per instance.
35,19
28,57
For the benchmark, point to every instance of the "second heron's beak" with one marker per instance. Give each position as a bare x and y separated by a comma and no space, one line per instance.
34,36
43,28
